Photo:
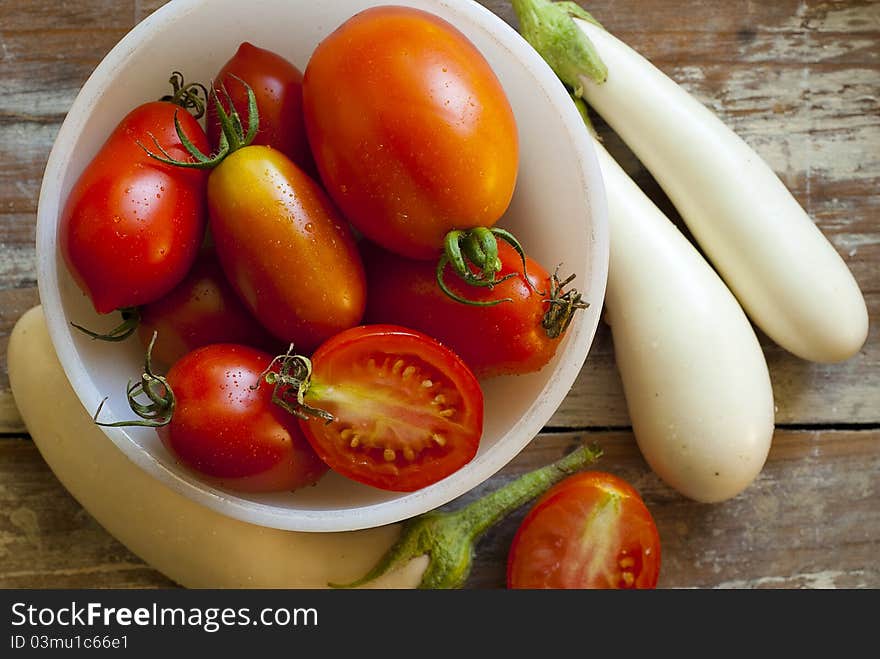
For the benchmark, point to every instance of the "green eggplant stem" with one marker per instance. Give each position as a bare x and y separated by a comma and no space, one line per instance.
448,537
550,28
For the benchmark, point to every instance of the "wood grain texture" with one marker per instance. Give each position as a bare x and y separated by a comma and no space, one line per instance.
808,521
798,79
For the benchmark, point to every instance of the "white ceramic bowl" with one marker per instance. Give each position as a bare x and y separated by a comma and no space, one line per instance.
558,211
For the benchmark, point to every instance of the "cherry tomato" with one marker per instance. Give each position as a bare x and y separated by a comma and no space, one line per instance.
592,530
277,86
132,226
284,247
407,411
230,432
201,310
509,337
410,128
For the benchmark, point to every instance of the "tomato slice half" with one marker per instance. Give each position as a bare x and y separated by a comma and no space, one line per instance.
408,411
592,530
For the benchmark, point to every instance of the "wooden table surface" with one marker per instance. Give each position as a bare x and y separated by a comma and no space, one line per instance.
798,79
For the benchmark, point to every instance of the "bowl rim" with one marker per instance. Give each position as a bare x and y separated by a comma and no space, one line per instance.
579,340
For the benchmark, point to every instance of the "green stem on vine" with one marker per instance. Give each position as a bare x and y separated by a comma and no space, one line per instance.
473,256
290,384
562,306
131,317
448,538
233,135
187,96
159,411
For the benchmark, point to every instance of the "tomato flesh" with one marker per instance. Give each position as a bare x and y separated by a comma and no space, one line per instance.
408,411
230,432
592,530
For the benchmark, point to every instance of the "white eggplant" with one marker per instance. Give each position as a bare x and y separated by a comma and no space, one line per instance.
695,379
787,276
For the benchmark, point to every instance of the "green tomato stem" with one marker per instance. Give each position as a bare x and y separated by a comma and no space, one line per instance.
473,256
187,95
448,538
232,134
160,408
131,318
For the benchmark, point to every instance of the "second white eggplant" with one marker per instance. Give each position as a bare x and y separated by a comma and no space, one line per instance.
695,379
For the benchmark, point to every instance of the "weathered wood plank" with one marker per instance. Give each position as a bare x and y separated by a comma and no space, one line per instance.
48,540
47,15
39,84
816,498
815,17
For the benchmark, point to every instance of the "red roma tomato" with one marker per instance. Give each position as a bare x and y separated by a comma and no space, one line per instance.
201,310
284,247
407,410
506,338
132,226
277,86
410,128
592,530
231,433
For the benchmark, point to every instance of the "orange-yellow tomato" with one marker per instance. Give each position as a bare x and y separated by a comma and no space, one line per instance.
410,128
284,247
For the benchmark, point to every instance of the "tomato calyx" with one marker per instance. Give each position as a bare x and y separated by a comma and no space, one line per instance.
154,414
131,318
477,249
563,305
290,383
448,538
233,135
186,95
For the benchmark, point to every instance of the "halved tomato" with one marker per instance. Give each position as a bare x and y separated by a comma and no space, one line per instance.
406,410
592,530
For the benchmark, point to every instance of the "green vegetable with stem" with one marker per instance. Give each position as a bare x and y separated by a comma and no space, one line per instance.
448,538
